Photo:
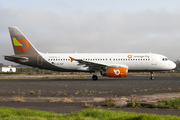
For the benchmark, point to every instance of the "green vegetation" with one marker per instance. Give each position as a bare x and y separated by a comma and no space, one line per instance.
89,105
132,103
110,102
88,114
32,92
167,104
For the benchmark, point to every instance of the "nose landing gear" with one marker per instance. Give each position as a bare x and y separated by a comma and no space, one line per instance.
152,76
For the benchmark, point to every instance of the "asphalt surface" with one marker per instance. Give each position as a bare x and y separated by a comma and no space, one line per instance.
89,88
109,87
74,107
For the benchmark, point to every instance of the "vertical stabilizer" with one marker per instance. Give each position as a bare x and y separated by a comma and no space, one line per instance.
20,43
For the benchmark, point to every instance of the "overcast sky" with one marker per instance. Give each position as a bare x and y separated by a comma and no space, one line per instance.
101,26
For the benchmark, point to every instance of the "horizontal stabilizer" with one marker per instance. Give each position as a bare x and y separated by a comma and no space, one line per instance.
13,58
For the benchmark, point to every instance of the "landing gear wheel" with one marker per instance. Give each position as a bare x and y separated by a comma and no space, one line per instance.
152,78
94,77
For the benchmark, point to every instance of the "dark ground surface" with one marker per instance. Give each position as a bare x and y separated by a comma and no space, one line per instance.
89,88
74,107
86,88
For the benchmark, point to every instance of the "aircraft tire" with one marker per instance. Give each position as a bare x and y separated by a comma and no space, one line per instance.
152,78
94,77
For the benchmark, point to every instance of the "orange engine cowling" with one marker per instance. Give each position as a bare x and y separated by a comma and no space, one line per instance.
115,72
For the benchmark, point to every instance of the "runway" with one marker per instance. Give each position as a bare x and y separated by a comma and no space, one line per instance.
86,88
89,88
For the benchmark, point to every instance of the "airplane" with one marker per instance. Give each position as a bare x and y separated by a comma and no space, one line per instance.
107,64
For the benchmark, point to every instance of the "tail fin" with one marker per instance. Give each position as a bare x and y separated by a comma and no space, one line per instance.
20,43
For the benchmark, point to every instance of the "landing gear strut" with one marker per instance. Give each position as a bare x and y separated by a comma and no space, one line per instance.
152,77
94,77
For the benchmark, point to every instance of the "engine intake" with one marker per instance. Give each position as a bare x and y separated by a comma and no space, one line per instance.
115,72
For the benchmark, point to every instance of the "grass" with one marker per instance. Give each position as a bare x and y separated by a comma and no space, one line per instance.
110,102
89,105
132,102
88,114
18,98
58,100
68,100
175,103
32,92
167,104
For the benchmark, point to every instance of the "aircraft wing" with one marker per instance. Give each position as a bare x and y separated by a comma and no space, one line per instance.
95,65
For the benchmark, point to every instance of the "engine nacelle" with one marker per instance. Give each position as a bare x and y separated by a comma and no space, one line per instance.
115,72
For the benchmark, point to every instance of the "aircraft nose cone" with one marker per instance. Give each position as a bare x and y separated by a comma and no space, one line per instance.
173,65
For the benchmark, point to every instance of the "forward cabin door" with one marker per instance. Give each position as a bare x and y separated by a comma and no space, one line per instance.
153,60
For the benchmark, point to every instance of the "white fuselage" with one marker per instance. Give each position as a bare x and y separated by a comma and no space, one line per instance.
108,64
133,61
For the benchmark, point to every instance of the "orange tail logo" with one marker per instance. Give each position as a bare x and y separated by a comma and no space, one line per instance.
18,44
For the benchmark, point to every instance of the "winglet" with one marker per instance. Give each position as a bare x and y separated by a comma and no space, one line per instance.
72,59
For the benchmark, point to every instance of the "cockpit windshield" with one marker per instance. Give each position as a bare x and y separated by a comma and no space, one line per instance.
164,59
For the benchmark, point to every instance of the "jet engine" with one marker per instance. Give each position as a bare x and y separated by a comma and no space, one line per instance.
115,72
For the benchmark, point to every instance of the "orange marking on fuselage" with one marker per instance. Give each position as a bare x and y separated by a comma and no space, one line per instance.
129,56
72,59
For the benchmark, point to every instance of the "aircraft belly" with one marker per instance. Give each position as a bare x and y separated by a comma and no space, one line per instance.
136,66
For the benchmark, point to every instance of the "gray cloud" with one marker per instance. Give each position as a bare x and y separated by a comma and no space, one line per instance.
145,31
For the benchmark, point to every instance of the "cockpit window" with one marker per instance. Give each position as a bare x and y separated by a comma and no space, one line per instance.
164,59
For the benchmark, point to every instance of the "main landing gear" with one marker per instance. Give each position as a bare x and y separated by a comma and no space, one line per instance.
152,77
95,77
